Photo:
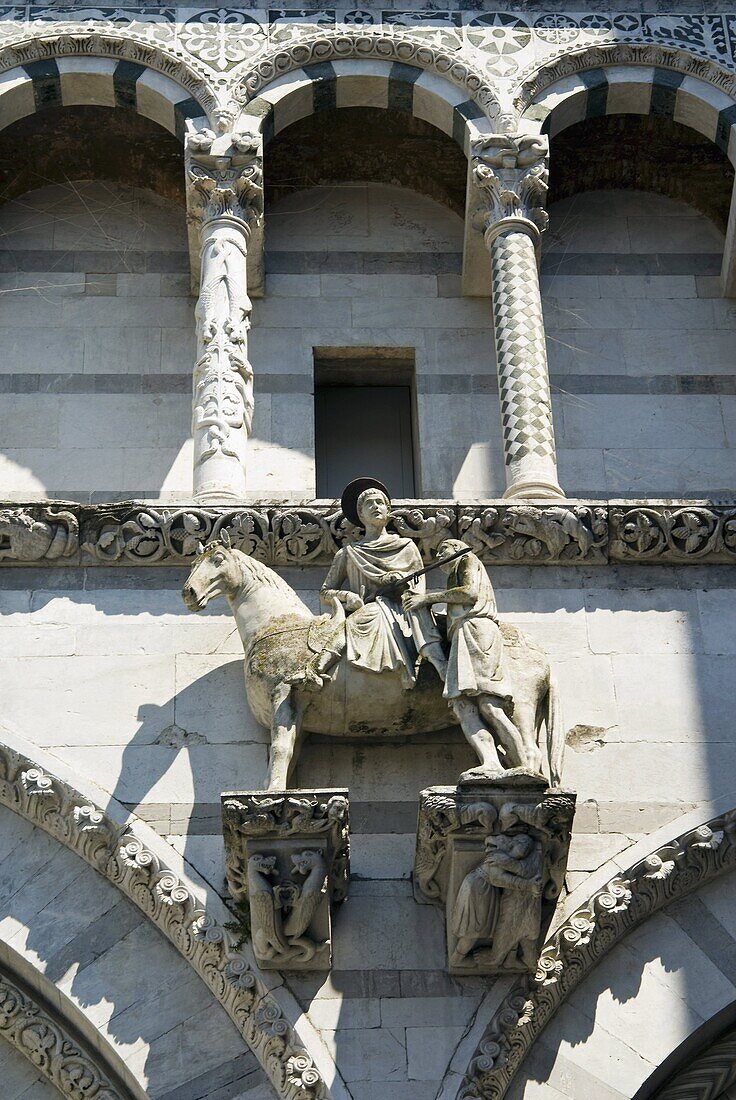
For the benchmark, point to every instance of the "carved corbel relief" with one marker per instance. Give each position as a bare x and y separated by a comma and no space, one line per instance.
287,861
494,859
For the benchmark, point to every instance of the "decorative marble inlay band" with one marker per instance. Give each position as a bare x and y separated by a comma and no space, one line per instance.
501,533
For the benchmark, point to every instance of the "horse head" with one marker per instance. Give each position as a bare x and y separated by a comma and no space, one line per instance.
215,571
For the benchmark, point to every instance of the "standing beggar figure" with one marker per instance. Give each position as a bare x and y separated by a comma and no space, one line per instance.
478,683
384,636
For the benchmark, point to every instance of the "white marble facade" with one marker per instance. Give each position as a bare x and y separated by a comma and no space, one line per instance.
123,717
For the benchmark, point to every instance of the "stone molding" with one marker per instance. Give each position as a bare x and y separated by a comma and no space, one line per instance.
42,1038
202,937
366,42
707,1076
122,45
537,78
630,897
657,532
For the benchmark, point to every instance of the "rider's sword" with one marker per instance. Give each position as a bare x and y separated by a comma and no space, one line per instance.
396,587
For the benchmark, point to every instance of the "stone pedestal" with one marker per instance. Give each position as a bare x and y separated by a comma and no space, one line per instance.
493,857
287,859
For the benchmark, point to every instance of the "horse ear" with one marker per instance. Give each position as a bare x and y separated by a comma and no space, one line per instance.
199,547
225,538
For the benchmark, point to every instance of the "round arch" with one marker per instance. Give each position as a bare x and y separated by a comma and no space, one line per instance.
106,71
136,860
367,70
617,912
643,80
50,1031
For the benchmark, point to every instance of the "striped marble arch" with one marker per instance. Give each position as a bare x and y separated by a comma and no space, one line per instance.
100,81
638,90
358,82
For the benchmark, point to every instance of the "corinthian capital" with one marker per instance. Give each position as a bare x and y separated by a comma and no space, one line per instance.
224,177
510,172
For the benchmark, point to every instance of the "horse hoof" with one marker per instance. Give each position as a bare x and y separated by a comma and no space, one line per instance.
480,775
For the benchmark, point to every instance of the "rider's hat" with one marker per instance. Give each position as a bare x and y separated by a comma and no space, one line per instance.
349,501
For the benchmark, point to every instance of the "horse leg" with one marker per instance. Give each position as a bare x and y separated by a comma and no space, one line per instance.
509,734
478,737
526,747
284,728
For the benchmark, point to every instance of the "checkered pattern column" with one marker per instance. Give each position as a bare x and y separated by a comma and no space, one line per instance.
523,375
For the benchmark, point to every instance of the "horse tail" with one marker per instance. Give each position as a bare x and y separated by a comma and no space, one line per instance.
555,731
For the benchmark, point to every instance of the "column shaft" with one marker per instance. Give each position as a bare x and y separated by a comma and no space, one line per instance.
510,172
222,405
225,201
523,374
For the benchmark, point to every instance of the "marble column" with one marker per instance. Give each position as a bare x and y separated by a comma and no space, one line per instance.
224,205
510,172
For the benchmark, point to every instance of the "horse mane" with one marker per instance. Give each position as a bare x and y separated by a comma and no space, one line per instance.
256,571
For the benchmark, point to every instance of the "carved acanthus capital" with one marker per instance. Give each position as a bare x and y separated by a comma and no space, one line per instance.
287,861
510,172
494,857
224,177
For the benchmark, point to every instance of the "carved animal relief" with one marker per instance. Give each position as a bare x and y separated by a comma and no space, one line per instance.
287,860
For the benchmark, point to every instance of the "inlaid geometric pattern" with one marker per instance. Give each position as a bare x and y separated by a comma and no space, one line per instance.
523,378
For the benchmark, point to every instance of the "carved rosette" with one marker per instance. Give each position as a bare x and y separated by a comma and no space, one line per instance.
225,205
287,861
493,856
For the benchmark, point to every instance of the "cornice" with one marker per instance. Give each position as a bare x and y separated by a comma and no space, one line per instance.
570,533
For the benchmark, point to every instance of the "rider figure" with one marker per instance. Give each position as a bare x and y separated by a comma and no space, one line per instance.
378,633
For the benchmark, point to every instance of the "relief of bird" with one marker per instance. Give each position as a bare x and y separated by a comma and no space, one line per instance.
311,864
268,940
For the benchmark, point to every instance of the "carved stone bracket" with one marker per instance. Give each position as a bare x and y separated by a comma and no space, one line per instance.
287,859
493,855
680,866
565,533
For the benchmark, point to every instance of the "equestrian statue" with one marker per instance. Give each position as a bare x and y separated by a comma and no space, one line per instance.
385,662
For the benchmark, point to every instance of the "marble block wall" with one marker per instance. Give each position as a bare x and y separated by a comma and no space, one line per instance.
97,329
106,671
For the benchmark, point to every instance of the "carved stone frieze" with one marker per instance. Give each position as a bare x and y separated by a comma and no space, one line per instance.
202,939
38,534
530,533
580,942
494,856
287,859
75,1070
501,533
